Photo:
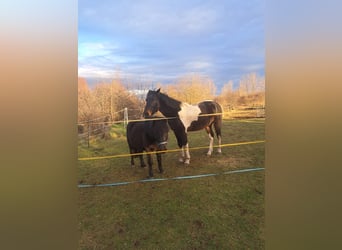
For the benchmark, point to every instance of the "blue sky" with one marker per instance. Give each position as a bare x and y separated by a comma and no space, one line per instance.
161,41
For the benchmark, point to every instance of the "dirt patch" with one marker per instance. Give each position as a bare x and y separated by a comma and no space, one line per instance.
198,224
231,161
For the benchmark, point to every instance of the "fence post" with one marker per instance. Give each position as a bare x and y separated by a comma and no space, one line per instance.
88,132
125,117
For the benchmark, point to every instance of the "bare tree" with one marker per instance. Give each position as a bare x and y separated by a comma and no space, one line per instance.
250,92
192,89
106,100
86,109
228,97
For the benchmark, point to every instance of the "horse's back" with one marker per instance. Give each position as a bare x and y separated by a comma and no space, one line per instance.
210,107
214,108
211,112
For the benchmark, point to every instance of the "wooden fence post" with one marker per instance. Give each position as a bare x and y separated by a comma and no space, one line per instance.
125,117
88,132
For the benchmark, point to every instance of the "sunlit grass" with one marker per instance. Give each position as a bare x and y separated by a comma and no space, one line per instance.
221,212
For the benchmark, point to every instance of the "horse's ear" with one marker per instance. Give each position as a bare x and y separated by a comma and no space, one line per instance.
158,90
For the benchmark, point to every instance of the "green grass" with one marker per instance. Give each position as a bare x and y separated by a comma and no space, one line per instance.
221,212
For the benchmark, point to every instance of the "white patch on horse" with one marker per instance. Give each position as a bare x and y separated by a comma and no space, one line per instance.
188,114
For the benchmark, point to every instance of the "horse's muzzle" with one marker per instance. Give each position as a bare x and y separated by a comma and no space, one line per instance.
147,114
162,145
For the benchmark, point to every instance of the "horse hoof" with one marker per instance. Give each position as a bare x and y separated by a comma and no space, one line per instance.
181,160
219,151
132,166
187,162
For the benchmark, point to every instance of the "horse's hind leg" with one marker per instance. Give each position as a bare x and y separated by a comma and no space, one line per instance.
132,157
150,163
217,126
219,144
211,139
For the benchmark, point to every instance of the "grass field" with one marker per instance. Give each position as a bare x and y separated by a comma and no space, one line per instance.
219,212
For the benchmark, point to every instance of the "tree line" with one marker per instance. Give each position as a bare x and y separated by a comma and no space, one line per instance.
108,99
105,100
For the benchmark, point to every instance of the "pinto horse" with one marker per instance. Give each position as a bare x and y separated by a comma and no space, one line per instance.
184,118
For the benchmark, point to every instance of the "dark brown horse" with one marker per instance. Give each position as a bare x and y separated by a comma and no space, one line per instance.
147,136
184,118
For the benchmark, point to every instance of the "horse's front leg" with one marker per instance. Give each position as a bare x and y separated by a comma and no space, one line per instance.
181,154
182,141
142,163
184,154
187,154
159,159
132,161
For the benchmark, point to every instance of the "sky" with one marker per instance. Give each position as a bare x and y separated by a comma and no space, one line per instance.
163,40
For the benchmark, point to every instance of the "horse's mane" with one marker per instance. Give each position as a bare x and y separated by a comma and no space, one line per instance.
169,101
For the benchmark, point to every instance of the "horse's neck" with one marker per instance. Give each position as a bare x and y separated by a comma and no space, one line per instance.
168,111
170,108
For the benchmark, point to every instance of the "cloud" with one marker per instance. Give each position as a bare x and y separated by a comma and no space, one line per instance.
198,65
89,71
253,67
89,50
167,39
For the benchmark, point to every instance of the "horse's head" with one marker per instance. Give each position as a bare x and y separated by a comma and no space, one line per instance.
152,103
